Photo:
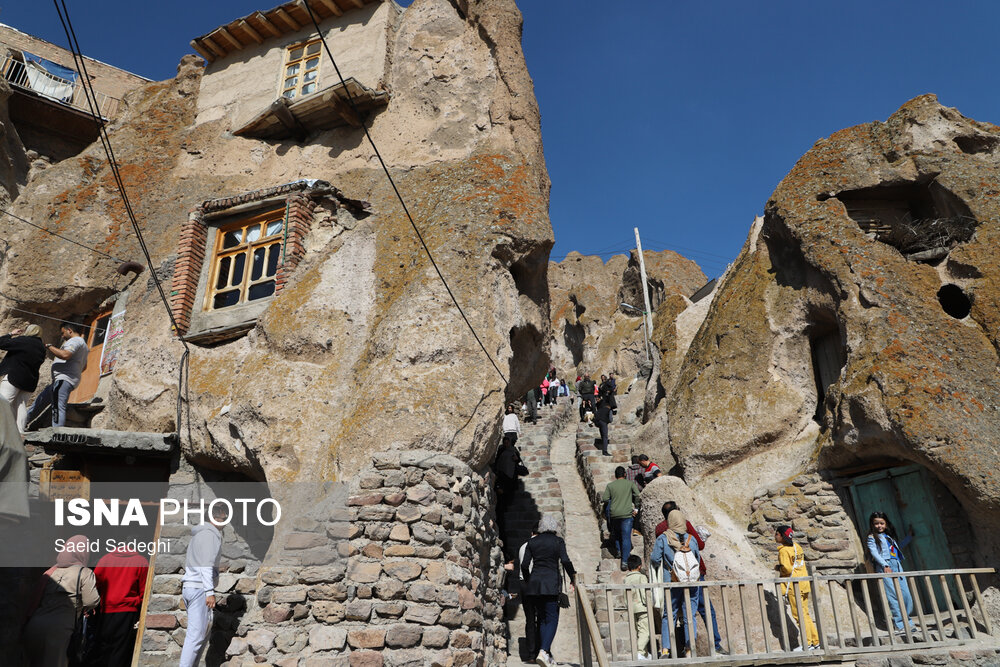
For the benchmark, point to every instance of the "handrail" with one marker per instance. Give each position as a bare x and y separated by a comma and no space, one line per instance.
588,626
14,72
864,623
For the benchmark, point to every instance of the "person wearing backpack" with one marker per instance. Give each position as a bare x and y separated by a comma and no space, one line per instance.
679,552
792,563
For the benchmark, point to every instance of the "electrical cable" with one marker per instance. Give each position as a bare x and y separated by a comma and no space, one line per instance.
47,317
64,238
91,95
385,168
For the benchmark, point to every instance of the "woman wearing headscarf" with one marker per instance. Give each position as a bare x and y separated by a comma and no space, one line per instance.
25,354
543,580
678,551
67,590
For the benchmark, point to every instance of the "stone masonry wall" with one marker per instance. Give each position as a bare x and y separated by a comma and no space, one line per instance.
810,505
402,569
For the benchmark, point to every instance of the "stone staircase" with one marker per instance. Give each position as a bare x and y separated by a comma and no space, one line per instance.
597,471
538,492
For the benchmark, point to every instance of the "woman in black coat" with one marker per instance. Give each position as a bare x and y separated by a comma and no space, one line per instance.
543,580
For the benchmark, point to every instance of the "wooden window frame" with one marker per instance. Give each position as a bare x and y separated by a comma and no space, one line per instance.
301,61
261,219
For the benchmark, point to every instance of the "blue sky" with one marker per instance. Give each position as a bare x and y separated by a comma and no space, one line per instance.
678,118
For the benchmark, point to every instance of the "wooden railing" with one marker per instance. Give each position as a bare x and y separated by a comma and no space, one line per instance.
946,613
16,73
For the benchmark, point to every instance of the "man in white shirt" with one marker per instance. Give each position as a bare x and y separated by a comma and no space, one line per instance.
201,574
70,360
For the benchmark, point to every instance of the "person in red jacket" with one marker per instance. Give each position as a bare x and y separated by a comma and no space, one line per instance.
121,581
668,507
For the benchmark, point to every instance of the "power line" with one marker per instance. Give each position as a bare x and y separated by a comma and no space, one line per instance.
64,238
91,95
88,89
48,317
350,100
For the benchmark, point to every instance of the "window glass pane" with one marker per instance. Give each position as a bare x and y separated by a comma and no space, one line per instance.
239,263
312,49
274,227
308,88
291,83
312,63
272,259
232,239
309,76
261,290
226,299
100,330
292,69
294,54
258,264
289,93
223,278
253,233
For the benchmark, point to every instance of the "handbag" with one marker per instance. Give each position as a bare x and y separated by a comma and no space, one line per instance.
520,469
563,596
76,651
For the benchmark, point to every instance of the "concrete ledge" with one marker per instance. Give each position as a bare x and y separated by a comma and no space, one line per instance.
63,440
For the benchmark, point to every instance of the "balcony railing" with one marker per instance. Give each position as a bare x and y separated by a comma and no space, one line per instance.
51,87
948,612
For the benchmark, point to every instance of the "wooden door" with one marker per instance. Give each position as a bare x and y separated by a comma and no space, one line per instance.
91,376
904,494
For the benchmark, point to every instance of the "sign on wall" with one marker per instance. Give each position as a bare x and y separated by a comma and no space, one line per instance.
113,342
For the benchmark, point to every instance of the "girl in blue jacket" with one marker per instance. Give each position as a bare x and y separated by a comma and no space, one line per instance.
887,556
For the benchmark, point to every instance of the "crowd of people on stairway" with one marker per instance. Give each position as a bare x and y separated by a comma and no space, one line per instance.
542,564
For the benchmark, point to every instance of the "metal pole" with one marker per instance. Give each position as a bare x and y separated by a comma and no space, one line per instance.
647,318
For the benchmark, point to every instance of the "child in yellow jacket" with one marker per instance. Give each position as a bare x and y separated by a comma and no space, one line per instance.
792,563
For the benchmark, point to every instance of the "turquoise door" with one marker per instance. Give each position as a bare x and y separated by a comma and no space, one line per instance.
904,494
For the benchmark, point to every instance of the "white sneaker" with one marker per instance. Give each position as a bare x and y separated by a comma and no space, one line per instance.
643,656
797,648
544,659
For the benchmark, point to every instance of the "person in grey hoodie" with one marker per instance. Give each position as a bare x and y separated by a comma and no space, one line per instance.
201,574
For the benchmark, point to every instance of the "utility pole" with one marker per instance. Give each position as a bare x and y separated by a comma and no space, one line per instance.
647,318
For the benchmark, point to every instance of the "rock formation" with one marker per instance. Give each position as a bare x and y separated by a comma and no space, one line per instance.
859,324
591,330
363,350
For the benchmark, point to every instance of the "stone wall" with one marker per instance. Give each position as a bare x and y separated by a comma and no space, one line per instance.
405,572
810,505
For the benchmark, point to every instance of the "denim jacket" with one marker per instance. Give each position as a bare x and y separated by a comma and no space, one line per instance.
882,550
662,551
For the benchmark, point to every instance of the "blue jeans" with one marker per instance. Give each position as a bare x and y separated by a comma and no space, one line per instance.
547,611
60,389
890,594
677,604
701,611
621,533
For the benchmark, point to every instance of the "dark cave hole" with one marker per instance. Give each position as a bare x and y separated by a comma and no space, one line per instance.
922,219
954,301
976,143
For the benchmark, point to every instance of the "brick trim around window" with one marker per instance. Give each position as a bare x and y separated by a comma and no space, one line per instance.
300,199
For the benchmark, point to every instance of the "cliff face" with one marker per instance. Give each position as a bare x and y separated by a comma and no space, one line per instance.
363,350
860,322
592,331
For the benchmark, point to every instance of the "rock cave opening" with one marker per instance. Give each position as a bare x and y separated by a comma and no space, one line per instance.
574,333
954,301
828,356
921,219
